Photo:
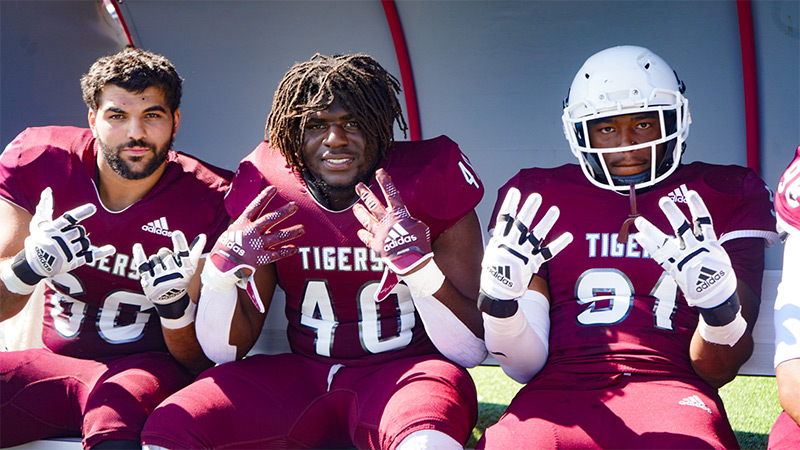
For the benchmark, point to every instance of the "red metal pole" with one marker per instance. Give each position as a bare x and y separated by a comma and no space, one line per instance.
406,74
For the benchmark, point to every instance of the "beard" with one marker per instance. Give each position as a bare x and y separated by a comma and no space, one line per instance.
325,192
123,168
328,191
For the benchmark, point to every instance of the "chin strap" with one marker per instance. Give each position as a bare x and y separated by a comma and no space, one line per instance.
622,238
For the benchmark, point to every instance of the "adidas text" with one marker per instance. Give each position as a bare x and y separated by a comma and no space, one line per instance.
700,287
155,230
500,277
398,242
45,259
229,243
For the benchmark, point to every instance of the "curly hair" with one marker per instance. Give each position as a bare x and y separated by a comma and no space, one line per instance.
133,70
363,88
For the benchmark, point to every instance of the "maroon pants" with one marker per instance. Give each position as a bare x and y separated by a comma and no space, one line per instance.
785,434
622,411
43,394
290,401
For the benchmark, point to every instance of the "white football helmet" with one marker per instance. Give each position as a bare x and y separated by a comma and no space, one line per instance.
625,80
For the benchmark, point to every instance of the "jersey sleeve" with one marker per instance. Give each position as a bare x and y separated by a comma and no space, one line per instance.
13,167
447,187
749,229
754,215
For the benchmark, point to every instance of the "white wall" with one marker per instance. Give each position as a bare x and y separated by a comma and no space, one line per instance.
490,74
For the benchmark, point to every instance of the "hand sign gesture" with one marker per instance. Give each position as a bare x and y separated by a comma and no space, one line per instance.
402,242
250,241
54,246
165,277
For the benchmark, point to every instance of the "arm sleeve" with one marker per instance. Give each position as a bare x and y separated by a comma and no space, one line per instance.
218,299
520,343
445,330
787,304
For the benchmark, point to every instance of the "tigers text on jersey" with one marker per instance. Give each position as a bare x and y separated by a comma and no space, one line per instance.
330,283
613,308
99,309
787,197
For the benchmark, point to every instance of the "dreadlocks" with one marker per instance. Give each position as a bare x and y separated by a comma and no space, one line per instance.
364,88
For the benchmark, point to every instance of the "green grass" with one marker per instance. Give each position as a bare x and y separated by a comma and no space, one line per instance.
751,403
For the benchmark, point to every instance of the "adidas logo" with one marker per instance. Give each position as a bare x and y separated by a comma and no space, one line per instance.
233,241
45,259
696,402
397,236
169,295
707,278
158,226
502,274
679,194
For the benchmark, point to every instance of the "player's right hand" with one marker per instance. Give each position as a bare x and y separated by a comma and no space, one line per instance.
514,253
165,276
250,242
54,246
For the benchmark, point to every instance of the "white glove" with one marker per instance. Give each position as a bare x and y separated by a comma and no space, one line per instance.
694,257
514,254
165,278
53,246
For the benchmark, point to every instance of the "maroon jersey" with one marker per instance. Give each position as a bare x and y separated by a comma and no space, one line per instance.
613,308
99,309
787,198
330,283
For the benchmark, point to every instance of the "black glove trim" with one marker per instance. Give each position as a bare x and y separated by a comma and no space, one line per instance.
174,310
723,314
23,270
497,308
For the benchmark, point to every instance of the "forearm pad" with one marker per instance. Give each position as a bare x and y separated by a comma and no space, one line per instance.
520,342
450,336
218,299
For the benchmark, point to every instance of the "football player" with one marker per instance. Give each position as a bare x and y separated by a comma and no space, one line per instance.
625,336
785,434
380,288
115,343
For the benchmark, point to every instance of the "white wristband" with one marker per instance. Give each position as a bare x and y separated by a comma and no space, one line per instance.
725,335
212,278
186,319
425,281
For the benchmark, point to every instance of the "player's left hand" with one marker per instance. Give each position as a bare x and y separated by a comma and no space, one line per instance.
165,276
402,242
693,257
